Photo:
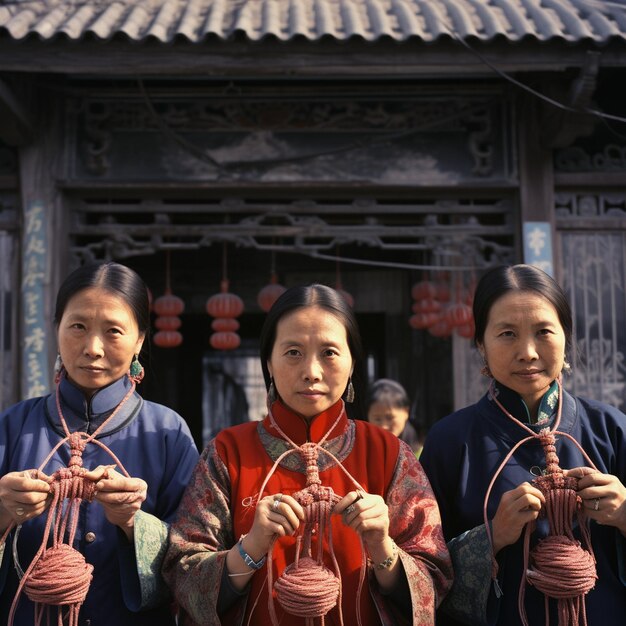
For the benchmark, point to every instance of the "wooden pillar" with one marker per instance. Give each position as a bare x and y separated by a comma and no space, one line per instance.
43,248
536,176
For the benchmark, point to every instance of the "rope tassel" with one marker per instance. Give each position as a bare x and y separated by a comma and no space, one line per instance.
59,576
560,566
307,588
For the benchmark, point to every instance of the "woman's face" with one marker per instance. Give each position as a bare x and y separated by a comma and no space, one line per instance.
524,344
310,361
391,418
98,337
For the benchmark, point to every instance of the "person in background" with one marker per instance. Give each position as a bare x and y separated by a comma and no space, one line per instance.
349,502
388,406
500,454
102,320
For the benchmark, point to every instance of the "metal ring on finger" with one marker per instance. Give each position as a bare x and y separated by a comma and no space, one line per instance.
596,504
277,499
349,509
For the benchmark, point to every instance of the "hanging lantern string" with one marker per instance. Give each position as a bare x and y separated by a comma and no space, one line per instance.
167,272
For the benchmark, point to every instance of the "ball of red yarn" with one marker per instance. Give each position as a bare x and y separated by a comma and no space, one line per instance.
307,589
60,577
562,568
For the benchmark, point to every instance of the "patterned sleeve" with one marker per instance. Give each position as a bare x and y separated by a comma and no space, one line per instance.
199,540
469,598
141,562
415,526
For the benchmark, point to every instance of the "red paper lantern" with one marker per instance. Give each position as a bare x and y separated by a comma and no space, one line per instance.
167,339
423,320
225,325
424,290
168,323
459,314
224,304
224,307
225,341
168,305
427,306
270,293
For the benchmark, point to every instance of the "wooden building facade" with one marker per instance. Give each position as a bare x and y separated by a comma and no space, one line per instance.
363,144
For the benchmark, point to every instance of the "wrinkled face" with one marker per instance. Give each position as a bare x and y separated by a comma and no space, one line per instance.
390,418
310,361
524,344
97,337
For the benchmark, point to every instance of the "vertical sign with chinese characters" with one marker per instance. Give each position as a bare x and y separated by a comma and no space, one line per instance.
538,246
35,374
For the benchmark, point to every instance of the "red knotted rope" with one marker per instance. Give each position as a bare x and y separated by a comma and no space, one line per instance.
58,575
559,566
307,588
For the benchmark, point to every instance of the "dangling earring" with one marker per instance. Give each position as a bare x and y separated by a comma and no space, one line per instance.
567,368
484,370
58,369
272,396
136,371
349,398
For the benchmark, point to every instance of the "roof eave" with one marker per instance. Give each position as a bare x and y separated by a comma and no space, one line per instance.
270,58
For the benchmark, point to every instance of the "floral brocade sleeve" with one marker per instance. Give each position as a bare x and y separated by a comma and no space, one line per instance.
415,526
471,595
199,540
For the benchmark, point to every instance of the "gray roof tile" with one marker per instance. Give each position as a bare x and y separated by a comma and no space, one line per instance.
426,20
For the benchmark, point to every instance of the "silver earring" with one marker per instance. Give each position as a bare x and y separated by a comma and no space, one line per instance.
567,368
272,395
58,368
350,393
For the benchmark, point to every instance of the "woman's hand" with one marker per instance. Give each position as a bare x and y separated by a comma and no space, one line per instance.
275,516
603,496
23,495
517,507
121,497
368,515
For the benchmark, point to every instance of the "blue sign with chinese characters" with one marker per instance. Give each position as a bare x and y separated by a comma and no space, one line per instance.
538,246
35,376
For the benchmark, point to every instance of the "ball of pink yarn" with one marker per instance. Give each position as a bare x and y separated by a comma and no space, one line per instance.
562,568
307,589
60,577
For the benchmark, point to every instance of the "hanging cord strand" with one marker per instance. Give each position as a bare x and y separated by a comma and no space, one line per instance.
307,588
562,568
59,575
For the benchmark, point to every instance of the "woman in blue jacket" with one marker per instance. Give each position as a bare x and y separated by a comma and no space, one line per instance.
134,459
523,332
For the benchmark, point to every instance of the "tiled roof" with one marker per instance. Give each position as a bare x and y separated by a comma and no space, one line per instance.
400,20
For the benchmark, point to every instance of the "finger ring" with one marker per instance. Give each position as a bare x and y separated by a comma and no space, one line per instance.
349,509
19,511
596,504
277,498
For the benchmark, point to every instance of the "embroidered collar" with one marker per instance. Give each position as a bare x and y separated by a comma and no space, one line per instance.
82,414
300,430
516,406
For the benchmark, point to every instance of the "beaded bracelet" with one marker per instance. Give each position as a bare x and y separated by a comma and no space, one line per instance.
387,563
247,559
